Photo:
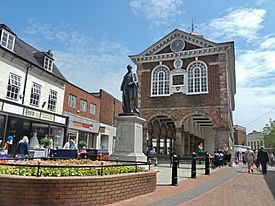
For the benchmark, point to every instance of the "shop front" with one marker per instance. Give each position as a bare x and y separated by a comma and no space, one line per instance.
17,121
81,128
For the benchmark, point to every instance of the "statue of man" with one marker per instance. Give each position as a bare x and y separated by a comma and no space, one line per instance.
129,88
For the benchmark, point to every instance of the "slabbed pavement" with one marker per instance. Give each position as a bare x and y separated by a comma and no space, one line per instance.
225,186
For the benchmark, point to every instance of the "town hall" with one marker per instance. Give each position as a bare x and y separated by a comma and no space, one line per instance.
186,93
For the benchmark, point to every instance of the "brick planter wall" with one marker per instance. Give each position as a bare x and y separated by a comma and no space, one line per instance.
20,190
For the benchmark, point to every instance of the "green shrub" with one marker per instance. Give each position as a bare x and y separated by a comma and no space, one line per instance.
63,172
81,144
45,141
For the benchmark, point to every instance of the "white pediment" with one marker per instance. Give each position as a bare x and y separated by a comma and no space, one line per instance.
176,34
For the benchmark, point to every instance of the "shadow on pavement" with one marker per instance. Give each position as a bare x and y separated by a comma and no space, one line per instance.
270,180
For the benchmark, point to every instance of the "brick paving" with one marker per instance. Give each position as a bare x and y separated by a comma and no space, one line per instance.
225,186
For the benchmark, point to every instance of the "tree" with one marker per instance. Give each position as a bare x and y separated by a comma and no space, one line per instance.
269,134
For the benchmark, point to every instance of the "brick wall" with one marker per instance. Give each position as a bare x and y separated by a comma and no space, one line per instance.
19,190
178,105
81,94
240,137
110,108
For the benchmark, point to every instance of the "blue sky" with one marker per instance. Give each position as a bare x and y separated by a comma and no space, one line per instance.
91,40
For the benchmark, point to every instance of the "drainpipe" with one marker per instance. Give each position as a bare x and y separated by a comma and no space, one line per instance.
25,83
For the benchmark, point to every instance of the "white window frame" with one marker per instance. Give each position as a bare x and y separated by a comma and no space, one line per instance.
83,105
72,101
10,40
14,84
197,78
48,63
52,100
93,109
35,94
158,84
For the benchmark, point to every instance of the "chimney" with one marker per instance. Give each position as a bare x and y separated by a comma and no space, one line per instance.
50,54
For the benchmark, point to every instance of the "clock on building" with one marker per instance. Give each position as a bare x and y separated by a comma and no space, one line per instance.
177,45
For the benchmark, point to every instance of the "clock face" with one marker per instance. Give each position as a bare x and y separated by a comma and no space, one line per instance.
177,45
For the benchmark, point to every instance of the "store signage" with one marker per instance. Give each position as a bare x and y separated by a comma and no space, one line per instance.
61,120
12,109
47,117
31,113
79,124
82,123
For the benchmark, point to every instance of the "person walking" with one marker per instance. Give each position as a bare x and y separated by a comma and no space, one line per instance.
23,148
250,156
263,159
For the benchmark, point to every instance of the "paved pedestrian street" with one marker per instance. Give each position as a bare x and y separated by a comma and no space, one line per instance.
225,186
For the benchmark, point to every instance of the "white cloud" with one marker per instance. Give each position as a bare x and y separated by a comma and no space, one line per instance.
89,63
64,35
157,11
269,43
255,106
253,64
255,73
260,2
239,23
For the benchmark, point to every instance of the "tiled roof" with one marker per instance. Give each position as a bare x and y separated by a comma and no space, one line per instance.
29,53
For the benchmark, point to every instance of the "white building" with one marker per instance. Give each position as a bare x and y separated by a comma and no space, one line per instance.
255,140
31,92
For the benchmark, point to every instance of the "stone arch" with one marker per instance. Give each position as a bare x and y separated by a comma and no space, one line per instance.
190,114
155,115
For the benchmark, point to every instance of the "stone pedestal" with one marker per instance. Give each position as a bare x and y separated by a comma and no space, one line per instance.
129,139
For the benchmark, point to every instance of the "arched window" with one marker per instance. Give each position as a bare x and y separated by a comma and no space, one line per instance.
160,82
197,78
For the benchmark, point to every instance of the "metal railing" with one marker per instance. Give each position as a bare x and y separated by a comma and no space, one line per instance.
119,163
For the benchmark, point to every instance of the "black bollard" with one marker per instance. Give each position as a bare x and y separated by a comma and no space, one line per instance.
207,163
193,166
175,162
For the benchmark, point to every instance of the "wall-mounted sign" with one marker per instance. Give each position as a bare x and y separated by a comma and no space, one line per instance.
61,120
31,113
82,123
178,79
47,117
12,109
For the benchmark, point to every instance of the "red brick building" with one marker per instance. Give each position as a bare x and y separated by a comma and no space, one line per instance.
187,87
239,135
83,110
110,107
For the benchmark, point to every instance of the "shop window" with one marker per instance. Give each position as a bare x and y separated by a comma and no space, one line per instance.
13,86
2,126
83,105
57,134
52,100
40,130
72,101
35,94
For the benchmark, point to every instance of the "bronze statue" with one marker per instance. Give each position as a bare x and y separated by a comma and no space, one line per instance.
129,88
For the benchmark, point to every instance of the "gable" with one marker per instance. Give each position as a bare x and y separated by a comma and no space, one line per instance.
191,42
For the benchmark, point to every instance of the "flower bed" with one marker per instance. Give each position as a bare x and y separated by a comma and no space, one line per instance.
61,186
104,168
